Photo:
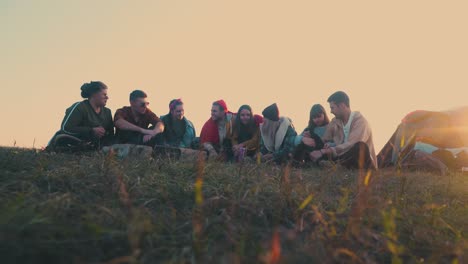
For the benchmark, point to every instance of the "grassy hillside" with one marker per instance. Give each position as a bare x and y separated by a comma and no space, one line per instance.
58,208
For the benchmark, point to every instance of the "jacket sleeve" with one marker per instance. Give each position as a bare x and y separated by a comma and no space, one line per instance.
72,123
204,135
189,136
360,131
233,136
298,139
263,149
110,128
328,135
287,146
254,143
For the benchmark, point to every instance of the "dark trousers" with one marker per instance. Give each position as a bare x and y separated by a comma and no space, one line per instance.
302,151
358,157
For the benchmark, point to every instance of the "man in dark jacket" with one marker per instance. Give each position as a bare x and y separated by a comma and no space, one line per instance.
87,125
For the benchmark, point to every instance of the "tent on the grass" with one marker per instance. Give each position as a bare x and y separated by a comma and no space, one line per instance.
429,140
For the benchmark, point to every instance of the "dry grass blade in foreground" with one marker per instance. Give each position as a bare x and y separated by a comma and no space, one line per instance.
58,208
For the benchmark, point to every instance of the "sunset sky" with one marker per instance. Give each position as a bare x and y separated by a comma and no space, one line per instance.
391,57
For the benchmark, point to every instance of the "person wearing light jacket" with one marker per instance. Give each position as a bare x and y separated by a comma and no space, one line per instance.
351,135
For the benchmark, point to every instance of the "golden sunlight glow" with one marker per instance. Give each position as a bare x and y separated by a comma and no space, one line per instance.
246,52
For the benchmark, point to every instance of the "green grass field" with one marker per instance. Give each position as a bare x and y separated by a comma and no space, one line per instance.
62,208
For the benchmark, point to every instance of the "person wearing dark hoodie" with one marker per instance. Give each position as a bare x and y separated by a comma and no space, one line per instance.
278,136
87,124
245,136
178,130
216,130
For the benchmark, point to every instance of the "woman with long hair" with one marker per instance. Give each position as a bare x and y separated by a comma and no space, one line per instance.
318,120
245,136
311,138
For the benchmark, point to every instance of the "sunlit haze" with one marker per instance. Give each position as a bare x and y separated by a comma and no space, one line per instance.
391,57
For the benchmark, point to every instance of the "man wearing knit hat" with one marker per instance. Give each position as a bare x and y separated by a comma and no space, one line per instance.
215,130
278,135
271,112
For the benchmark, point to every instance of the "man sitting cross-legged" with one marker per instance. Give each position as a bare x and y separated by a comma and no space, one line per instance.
132,122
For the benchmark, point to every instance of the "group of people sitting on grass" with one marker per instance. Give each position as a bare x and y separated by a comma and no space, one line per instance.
227,136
